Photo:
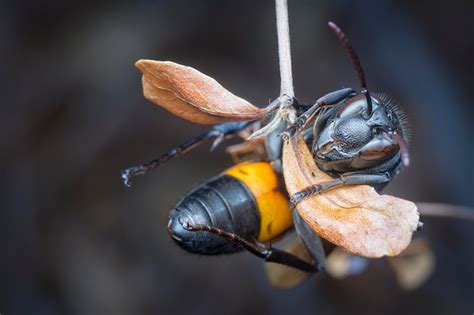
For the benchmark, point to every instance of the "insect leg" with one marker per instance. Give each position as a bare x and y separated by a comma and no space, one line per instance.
311,241
348,179
219,132
327,100
269,254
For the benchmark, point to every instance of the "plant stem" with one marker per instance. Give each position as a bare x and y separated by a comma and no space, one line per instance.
284,50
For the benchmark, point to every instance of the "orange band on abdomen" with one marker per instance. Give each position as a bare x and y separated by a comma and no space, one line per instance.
272,201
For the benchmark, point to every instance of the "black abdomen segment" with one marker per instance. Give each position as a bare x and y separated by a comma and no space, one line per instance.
223,202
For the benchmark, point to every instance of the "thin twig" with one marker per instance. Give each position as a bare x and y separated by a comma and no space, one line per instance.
286,112
445,210
284,50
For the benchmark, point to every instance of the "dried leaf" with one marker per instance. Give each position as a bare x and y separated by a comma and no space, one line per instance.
284,277
192,95
341,264
356,217
170,102
414,265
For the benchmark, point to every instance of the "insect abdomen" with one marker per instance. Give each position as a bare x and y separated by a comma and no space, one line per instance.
270,196
245,200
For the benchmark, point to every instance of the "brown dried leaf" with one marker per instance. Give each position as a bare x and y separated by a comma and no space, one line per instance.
414,265
356,218
340,264
284,277
192,95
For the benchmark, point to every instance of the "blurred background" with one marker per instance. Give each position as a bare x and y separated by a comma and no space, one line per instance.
76,241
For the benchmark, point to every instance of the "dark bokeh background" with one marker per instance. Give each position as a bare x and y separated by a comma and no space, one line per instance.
76,241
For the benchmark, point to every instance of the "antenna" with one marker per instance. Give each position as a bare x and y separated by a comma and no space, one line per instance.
355,62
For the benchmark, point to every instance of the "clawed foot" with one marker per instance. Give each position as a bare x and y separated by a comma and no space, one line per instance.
128,173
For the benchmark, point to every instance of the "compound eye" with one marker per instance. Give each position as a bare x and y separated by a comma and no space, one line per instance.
352,133
379,149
